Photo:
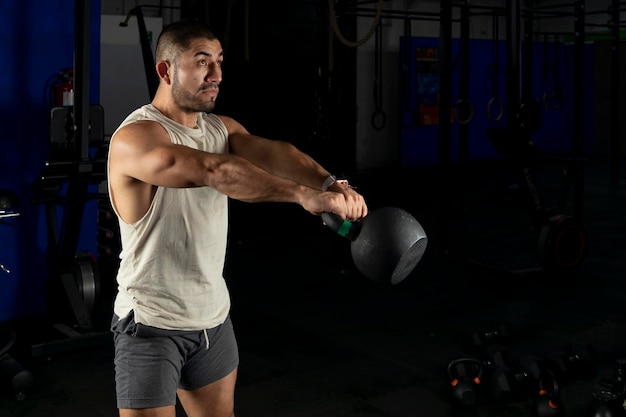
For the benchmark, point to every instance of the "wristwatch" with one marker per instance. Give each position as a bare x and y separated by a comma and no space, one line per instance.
332,180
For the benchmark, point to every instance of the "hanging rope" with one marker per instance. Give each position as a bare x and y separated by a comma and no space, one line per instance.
378,119
492,79
337,32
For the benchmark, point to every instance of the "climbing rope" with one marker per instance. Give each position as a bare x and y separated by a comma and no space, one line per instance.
368,35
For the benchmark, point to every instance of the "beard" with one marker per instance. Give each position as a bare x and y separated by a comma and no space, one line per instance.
189,102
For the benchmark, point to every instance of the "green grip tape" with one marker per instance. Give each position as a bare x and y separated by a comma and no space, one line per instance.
344,229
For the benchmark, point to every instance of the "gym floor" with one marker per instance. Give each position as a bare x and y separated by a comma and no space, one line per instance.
318,339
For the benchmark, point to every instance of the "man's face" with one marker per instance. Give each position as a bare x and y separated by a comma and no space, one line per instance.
197,75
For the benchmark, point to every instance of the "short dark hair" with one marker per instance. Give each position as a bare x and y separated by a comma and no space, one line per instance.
177,36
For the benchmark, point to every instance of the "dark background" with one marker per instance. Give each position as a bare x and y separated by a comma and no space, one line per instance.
316,337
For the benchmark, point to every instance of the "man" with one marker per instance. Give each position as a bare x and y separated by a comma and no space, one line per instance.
172,167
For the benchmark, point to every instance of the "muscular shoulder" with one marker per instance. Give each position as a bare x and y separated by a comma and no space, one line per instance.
138,136
131,143
232,126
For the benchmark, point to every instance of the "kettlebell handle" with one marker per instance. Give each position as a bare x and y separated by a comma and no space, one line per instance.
342,227
477,367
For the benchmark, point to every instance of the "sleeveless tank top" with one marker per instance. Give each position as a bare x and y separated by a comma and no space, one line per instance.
172,259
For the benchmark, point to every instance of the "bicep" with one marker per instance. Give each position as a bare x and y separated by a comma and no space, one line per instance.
145,153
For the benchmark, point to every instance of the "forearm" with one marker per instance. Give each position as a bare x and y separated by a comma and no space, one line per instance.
242,180
282,159
300,167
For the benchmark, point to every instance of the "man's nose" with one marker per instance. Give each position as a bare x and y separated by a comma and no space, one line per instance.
215,74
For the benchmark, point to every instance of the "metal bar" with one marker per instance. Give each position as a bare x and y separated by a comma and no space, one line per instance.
603,25
465,105
502,13
77,186
615,98
481,7
72,219
371,13
445,105
607,12
146,52
398,17
539,14
513,52
160,7
471,6
391,12
527,62
82,15
551,33
523,133
550,6
579,109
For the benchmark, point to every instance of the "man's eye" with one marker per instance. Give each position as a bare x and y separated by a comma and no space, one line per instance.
202,62
219,63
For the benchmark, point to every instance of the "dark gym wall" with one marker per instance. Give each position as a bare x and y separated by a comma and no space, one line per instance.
276,74
38,42
603,92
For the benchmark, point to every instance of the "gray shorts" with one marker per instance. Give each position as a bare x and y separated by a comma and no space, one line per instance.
151,363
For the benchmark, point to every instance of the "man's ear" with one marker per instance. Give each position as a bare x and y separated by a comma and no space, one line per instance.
163,70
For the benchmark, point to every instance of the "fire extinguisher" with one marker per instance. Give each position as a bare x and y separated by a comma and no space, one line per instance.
63,89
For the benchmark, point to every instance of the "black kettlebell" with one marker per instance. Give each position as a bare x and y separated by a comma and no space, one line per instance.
548,402
386,245
465,377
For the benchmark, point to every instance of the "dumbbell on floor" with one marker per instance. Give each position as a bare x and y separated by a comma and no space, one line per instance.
497,334
576,360
510,379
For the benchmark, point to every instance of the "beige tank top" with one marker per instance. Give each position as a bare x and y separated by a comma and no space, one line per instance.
172,259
